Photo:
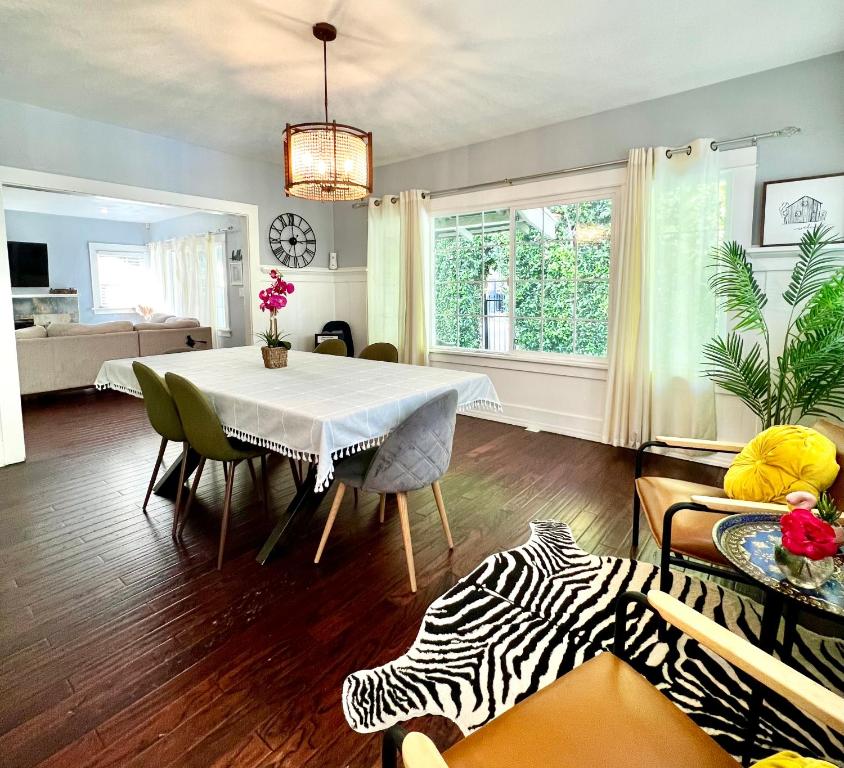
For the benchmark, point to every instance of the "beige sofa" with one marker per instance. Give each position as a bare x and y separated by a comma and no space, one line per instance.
68,355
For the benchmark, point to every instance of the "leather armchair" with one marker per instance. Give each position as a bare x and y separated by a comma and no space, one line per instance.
604,713
681,514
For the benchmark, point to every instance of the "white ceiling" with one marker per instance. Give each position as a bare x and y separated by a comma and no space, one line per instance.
89,206
422,75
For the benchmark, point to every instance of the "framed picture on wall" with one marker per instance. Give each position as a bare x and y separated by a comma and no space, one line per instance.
791,206
235,273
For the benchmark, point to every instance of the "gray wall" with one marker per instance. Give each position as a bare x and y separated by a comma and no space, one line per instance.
809,94
44,140
67,239
193,224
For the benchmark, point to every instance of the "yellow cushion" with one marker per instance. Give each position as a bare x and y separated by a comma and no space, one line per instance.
780,460
791,760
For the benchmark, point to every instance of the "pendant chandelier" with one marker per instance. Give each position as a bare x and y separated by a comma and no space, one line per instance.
327,161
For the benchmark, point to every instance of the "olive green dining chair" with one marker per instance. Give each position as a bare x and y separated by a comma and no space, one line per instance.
331,347
206,436
164,419
382,351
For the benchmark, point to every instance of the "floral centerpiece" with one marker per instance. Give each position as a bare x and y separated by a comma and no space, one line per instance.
809,543
272,299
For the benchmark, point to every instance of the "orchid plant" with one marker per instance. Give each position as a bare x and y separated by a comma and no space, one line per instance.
272,299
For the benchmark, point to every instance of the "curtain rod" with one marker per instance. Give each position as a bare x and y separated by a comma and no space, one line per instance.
716,145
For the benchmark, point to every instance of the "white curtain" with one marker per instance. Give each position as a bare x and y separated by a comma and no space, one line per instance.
663,309
186,276
627,413
397,252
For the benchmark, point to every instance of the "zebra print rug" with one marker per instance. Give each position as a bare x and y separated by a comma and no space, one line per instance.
527,616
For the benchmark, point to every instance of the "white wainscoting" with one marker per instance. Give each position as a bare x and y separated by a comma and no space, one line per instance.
538,394
320,295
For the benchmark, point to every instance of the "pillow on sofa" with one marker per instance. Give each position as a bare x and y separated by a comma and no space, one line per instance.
182,322
780,460
31,332
159,317
82,329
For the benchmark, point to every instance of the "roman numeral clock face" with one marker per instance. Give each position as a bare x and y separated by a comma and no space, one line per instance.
292,241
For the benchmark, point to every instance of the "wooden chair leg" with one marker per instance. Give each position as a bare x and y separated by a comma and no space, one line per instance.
155,469
227,506
182,477
405,534
226,471
184,516
382,504
253,476
335,505
265,486
443,517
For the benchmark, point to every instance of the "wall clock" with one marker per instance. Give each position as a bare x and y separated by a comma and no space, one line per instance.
292,240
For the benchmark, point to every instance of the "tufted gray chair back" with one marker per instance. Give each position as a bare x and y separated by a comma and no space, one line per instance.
418,451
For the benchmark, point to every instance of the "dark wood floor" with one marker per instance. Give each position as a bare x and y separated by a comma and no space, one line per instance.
119,648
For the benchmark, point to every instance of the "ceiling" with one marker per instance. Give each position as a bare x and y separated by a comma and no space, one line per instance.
421,75
89,206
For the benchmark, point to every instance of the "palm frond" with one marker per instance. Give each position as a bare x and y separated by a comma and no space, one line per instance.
814,265
747,376
826,307
736,289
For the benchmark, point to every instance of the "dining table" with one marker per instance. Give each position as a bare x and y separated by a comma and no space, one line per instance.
319,408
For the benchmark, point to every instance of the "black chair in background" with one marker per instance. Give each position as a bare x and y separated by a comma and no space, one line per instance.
344,330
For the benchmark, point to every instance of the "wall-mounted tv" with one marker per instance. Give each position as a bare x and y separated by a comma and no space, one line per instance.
28,265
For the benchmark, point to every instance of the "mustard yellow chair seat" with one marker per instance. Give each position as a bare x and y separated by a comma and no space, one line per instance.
602,713
691,530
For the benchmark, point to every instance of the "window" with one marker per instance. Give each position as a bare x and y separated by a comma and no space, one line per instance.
119,276
533,279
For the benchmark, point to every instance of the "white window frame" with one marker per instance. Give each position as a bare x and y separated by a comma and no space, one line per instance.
93,254
565,189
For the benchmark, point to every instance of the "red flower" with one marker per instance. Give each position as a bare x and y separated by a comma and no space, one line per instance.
807,535
290,287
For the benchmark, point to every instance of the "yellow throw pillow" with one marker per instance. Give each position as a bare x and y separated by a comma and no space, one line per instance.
791,760
780,460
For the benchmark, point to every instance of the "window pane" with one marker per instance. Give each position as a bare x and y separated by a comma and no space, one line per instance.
528,334
445,314
470,332
592,301
528,298
496,297
558,336
593,259
559,260
529,243
558,300
592,339
445,256
470,299
471,253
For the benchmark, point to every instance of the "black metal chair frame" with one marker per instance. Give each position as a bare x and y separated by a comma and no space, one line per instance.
667,557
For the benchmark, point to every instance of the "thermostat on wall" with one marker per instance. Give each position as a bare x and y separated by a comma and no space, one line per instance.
332,260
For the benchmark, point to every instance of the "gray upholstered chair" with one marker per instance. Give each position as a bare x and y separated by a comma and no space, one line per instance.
416,454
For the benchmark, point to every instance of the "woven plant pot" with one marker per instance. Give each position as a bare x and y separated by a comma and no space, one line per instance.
274,357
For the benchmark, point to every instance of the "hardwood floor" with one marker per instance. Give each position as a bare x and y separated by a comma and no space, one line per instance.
120,648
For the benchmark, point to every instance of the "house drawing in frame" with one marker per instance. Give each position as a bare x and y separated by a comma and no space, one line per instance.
804,210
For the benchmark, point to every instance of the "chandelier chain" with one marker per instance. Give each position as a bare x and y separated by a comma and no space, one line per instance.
325,76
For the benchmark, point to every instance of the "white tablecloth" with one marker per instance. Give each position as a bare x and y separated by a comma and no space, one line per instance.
319,408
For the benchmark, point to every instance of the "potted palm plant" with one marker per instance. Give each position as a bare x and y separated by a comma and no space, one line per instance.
804,378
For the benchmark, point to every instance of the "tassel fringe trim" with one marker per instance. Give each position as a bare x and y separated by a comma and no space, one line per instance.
323,481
